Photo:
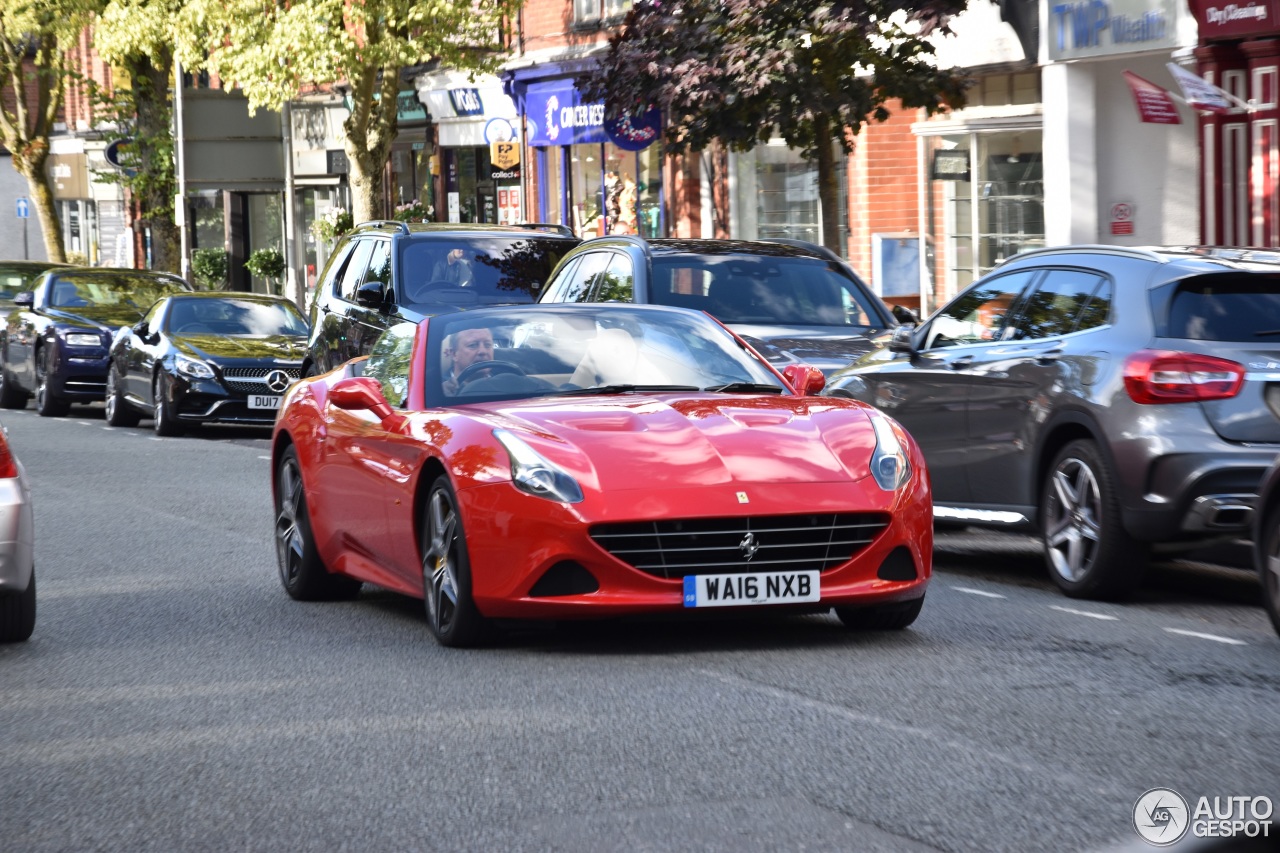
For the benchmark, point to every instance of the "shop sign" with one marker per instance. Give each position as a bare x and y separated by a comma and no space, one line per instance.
1218,19
504,155
950,165
466,102
1155,104
1198,92
556,115
1106,27
634,133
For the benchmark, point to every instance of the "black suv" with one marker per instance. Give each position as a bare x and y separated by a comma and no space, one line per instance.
791,300
384,273
1110,398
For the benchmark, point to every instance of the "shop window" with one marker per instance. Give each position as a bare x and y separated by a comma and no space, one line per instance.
597,11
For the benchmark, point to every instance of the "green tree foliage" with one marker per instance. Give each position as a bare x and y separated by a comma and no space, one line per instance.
271,50
34,37
209,266
740,71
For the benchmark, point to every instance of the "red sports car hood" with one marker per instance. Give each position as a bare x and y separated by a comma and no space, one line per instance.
670,441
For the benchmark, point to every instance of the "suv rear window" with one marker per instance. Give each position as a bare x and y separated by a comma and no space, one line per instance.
488,271
1237,307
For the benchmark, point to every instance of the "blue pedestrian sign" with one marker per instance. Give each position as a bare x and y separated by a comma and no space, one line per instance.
24,208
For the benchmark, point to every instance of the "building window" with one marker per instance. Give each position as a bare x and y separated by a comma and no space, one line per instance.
597,11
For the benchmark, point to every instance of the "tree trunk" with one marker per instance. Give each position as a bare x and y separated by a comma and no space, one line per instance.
370,130
31,165
154,144
828,185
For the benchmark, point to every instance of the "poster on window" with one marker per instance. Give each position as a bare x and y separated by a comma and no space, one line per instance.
509,206
895,264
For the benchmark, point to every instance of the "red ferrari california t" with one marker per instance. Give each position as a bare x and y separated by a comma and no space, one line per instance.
575,461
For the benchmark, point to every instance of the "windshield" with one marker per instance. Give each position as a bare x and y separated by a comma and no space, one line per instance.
109,291
235,317
763,289
583,350
476,271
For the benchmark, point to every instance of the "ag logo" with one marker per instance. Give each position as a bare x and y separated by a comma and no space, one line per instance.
1161,817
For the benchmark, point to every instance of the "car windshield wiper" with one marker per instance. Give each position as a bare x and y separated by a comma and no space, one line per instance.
744,388
622,389
1266,333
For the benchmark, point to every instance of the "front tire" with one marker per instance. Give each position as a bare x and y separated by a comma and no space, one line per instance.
1087,549
164,421
881,617
1269,570
18,613
446,571
48,405
302,572
119,413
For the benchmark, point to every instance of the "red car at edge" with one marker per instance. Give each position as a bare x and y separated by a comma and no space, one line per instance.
578,461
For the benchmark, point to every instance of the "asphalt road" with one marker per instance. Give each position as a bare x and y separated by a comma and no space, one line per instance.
174,699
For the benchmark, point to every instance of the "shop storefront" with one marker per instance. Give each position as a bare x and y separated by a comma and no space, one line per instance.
319,179
773,193
594,176
1239,51
476,169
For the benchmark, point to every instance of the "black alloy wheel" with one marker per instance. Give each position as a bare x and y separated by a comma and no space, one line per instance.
1087,549
48,405
119,412
302,573
18,613
881,617
446,571
1269,571
164,420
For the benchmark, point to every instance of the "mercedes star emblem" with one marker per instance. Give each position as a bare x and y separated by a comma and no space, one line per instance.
277,381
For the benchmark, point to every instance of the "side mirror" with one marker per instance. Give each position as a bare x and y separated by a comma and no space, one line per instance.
140,329
370,295
902,340
363,393
25,299
806,379
903,314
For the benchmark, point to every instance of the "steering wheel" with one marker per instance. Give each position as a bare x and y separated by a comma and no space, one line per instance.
472,370
434,284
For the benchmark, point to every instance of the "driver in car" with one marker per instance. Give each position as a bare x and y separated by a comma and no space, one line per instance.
463,349
455,268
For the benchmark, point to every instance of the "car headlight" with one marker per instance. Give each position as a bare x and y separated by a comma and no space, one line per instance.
889,463
194,368
82,339
535,475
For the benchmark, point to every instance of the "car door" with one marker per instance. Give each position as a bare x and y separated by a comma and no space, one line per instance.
576,281
617,281
1013,384
338,314
139,356
368,322
928,392
20,342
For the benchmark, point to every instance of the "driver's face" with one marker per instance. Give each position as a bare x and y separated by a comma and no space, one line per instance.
472,345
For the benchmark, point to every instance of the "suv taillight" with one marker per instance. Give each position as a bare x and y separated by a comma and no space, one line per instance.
8,468
1162,376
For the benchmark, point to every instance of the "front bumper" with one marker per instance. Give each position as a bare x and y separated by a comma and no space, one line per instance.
515,540
80,378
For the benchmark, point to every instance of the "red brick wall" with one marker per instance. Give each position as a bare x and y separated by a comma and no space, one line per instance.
883,182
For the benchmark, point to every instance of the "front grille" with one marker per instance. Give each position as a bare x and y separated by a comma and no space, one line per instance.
673,549
253,380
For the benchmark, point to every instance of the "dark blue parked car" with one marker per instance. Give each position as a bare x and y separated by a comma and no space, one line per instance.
55,343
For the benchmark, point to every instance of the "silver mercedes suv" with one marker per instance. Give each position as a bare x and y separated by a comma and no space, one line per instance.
1111,399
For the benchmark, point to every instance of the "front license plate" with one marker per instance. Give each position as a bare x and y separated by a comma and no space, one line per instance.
261,401
760,588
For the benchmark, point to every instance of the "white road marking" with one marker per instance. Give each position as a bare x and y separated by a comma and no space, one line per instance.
1084,613
984,594
1228,640
84,423
268,458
